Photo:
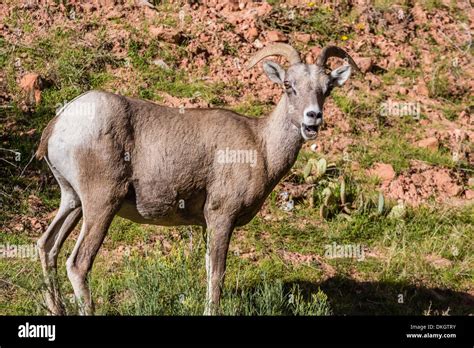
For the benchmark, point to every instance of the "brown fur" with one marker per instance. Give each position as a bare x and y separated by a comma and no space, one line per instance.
172,158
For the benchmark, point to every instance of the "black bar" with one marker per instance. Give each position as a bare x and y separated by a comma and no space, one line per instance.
289,331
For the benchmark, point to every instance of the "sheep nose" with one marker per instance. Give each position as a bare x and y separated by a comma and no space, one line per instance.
314,114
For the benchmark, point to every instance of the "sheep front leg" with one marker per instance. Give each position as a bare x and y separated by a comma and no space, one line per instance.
217,245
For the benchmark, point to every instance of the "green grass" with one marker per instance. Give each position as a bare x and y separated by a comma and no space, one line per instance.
390,148
149,281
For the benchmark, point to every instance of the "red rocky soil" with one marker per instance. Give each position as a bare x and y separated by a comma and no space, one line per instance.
398,38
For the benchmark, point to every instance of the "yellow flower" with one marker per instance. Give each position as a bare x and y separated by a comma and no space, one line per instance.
360,26
344,37
311,4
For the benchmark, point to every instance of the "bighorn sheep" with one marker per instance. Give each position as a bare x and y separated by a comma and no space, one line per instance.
156,165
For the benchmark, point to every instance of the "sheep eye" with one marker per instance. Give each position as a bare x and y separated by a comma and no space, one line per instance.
287,84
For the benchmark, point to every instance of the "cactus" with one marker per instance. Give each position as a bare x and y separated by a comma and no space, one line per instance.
314,170
381,204
398,211
343,190
321,167
307,169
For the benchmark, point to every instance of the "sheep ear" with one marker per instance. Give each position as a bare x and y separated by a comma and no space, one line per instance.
274,72
340,75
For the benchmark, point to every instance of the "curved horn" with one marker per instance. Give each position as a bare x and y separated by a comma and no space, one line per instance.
279,49
334,51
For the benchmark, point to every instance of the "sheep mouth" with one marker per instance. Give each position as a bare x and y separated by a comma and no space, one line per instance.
309,132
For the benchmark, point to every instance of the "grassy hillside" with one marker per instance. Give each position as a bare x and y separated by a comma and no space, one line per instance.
377,220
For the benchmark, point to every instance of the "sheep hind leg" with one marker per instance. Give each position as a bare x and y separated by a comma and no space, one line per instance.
98,214
51,241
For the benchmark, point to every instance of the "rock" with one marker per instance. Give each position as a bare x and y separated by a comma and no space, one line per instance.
264,9
398,211
303,37
470,182
204,37
144,3
452,189
31,84
445,183
422,89
469,194
276,36
167,35
384,171
232,5
312,55
89,8
258,44
114,14
251,34
438,261
161,63
419,15
365,64
430,143
374,80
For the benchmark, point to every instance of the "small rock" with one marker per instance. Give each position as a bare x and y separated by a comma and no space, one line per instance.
365,64
155,31
161,63
264,9
145,3
167,35
276,36
303,37
422,89
384,171
452,189
31,84
469,194
89,8
114,15
251,34
258,44
438,261
398,211
430,143
233,5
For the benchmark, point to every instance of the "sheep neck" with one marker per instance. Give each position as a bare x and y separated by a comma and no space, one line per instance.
282,141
